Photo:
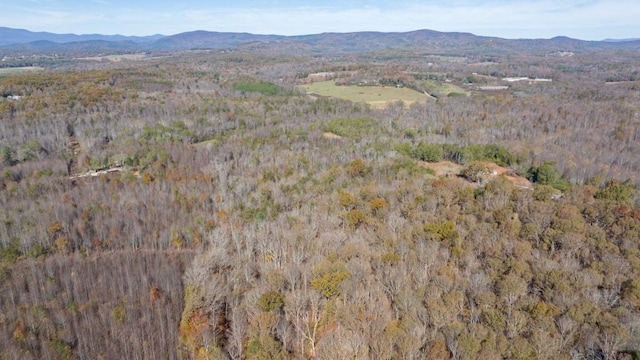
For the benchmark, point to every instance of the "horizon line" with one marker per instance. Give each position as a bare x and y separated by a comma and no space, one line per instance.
629,39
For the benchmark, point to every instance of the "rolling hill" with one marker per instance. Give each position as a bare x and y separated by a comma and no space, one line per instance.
23,41
10,36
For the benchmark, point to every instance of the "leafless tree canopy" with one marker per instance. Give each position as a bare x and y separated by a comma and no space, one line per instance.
192,205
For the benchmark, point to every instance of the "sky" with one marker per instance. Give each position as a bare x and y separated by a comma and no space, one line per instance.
532,19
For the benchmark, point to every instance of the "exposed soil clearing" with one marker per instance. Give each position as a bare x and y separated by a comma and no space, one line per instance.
330,135
450,169
443,168
93,173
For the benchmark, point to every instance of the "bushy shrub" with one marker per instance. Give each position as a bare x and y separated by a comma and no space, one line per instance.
615,190
347,200
378,204
428,152
270,301
329,283
476,171
357,168
546,174
355,218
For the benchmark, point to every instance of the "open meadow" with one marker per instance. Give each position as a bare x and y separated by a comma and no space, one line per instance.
20,70
377,96
116,58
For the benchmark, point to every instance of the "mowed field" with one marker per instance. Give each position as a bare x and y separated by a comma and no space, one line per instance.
438,88
19,70
116,58
374,95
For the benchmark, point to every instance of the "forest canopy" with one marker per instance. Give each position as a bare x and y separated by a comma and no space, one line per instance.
202,205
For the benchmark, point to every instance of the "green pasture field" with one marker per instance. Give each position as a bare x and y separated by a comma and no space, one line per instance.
439,88
19,70
449,59
116,58
374,95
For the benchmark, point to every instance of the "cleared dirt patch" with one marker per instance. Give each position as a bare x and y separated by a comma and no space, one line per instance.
450,169
509,174
444,168
330,135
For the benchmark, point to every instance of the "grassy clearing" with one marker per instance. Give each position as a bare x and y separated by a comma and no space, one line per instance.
449,59
374,95
19,70
439,89
262,87
352,127
116,58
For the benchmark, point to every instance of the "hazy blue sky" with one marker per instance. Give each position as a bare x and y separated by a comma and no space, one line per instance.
582,19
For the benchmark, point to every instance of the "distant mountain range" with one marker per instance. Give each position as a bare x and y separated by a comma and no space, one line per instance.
9,36
621,40
24,41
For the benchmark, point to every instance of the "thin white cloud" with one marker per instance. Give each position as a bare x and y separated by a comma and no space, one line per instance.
45,3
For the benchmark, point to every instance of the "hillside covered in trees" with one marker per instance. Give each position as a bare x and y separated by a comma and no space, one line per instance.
201,205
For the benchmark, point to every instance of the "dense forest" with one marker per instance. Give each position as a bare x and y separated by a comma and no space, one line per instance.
201,205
